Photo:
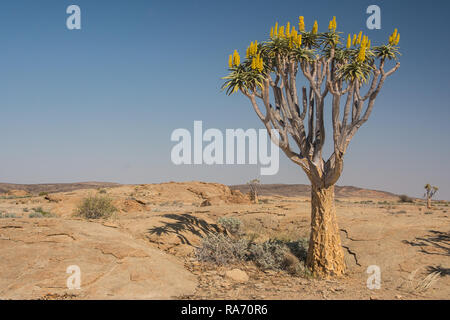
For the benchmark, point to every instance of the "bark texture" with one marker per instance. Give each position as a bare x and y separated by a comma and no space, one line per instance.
325,254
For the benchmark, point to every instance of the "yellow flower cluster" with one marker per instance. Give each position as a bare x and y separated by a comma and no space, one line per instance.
234,60
356,39
301,23
394,39
365,44
252,49
257,63
287,32
332,25
315,27
295,39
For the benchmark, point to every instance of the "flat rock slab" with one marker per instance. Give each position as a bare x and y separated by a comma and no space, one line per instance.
35,255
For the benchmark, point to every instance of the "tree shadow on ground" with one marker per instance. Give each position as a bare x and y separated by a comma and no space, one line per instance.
438,241
443,271
184,223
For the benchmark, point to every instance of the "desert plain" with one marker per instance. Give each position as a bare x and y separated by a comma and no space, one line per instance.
147,250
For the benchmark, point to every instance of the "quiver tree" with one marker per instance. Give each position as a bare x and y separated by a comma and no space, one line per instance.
254,184
287,80
429,193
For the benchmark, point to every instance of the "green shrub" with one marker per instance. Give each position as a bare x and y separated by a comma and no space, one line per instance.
232,225
96,207
269,255
35,215
289,256
102,191
8,215
41,213
43,194
222,250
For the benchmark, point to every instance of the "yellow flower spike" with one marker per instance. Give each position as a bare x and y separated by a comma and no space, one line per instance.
281,32
288,29
271,32
294,36
230,61
334,23
354,39
368,44
299,40
236,58
301,23
247,53
349,41
395,34
276,29
362,54
315,27
398,39
330,25
261,64
359,38
252,49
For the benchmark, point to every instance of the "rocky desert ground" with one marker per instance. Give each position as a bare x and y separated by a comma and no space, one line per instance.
147,250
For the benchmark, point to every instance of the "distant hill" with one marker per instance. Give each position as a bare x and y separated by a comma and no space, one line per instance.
286,190
55,187
302,190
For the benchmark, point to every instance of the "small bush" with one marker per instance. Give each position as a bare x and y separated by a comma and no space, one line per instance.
406,199
177,203
41,213
96,207
280,255
102,191
8,215
233,225
299,248
35,215
269,255
222,250
43,194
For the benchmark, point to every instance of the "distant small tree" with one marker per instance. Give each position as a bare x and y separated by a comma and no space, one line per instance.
254,185
430,191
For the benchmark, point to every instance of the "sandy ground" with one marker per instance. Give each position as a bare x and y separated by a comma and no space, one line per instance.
146,251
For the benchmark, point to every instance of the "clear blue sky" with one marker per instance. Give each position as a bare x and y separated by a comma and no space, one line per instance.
100,103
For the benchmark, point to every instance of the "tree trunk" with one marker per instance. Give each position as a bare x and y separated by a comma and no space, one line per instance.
429,203
325,254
